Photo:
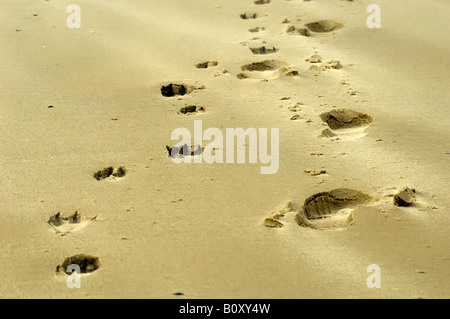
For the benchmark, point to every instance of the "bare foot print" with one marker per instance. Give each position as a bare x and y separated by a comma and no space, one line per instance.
324,26
206,64
172,89
331,210
265,70
66,225
262,2
264,50
191,109
184,151
315,29
276,217
110,172
257,29
246,16
345,123
333,64
86,263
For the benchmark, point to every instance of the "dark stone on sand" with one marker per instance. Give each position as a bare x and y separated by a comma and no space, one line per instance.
405,197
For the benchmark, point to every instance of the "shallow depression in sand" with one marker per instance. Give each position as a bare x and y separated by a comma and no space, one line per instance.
331,209
345,118
324,26
206,64
266,70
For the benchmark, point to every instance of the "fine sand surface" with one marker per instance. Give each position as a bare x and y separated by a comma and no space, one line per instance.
76,101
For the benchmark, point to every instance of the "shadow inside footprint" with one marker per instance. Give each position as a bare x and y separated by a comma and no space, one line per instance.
86,263
173,90
66,225
184,151
207,64
266,70
268,65
120,172
324,26
246,16
345,118
331,209
264,50
109,171
104,173
57,220
257,29
191,109
324,204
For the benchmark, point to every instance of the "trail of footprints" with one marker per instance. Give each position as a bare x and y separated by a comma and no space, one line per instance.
332,209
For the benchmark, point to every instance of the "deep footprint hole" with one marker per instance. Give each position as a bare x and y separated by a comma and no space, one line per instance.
87,264
173,90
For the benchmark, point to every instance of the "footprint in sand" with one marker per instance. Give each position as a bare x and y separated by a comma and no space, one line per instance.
184,151
275,220
331,210
333,64
345,124
293,30
257,29
262,2
172,89
87,264
324,26
315,29
110,173
264,50
247,15
266,70
191,109
206,64
65,225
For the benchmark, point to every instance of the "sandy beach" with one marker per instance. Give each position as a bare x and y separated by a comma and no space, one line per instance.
357,123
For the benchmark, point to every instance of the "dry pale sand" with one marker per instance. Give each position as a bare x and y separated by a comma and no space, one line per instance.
199,228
